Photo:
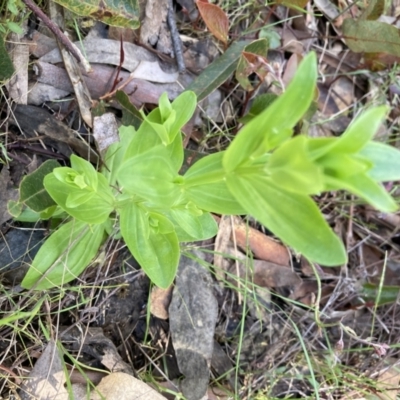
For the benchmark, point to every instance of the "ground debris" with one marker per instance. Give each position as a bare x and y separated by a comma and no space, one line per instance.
193,315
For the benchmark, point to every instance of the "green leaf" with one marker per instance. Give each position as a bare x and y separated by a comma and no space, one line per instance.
176,153
157,253
150,175
70,177
52,212
360,131
260,103
259,46
32,191
12,7
385,160
218,72
6,65
64,255
215,198
28,215
209,228
379,295
318,147
275,124
268,32
365,187
116,152
124,14
168,119
86,169
374,10
130,114
195,227
342,166
249,62
205,186
154,119
164,106
14,27
14,208
291,169
76,198
371,36
293,217
184,106
159,224
206,170
95,211
143,140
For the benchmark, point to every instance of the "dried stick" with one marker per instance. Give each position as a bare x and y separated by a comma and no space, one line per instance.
53,27
176,40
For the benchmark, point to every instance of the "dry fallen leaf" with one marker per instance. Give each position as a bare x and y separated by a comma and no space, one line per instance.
388,381
262,246
47,378
141,62
291,68
267,274
387,384
121,386
99,82
159,302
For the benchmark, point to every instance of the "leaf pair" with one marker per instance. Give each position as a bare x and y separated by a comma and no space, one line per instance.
347,166
156,250
64,255
269,175
81,191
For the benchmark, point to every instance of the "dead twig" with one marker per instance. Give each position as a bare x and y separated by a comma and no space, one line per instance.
176,40
53,27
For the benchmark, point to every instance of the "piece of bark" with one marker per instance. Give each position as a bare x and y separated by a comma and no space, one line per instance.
154,30
193,314
105,131
18,84
41,44
96,345
8,192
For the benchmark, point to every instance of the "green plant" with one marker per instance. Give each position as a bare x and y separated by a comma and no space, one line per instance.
265,172
10,12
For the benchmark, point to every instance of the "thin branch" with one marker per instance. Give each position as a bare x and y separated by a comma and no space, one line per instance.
176,40
53,27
